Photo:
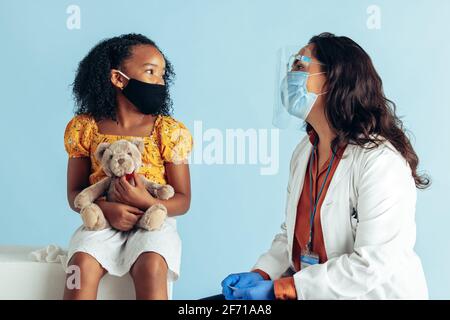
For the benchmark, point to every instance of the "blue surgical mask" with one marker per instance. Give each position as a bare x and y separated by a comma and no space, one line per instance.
299,101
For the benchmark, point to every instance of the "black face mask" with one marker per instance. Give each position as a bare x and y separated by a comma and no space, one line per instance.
149,98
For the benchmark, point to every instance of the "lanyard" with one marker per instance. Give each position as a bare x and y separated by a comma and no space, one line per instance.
313,204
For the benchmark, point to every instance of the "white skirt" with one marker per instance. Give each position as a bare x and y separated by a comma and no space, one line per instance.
117,250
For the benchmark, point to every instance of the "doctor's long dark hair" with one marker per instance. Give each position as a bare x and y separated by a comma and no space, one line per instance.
355,105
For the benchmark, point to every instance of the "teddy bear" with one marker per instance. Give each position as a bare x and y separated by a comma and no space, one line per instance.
117,159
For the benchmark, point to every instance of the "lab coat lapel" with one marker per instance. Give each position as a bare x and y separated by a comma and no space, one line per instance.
342,169
333,214
298,176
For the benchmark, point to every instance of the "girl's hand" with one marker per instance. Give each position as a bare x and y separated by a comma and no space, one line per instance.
136,196
120,216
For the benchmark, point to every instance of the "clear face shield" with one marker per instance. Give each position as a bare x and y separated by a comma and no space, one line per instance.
293,101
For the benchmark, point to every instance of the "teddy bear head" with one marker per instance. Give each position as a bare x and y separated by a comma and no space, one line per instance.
120,157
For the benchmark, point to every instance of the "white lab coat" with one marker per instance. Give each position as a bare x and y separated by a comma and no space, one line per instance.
370,254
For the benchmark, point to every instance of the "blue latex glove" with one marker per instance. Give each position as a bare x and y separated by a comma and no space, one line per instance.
261,290
239,280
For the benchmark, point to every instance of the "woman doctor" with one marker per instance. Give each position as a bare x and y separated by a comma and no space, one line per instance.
349,229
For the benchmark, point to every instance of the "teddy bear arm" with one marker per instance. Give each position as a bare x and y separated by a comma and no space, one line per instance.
159,191
92,193
151,187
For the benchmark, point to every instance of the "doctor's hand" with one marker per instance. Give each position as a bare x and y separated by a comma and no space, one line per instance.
239,280
261,290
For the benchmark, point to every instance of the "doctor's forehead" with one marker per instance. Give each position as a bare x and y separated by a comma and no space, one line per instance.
307,50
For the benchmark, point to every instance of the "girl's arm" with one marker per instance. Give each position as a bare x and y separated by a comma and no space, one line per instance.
179,178
78,170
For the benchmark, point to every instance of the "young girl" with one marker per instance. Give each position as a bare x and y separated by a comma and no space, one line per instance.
122,92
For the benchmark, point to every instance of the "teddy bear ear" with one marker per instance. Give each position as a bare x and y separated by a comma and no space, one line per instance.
139,144
101,150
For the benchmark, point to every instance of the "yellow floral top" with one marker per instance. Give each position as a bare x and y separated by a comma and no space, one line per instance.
170,141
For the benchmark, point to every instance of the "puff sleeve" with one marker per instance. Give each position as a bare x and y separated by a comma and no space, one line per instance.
78,136
176,141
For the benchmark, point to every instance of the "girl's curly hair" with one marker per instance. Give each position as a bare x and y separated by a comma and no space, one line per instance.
93,91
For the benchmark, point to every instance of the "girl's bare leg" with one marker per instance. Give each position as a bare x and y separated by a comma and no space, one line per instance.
90,273
149,274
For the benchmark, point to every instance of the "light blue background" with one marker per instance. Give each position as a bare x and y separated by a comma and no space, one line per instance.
224,56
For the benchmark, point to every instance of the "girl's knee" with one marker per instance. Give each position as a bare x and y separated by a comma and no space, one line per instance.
87,263
150,265
83,283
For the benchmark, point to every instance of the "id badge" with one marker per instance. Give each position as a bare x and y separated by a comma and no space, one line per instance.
308,259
